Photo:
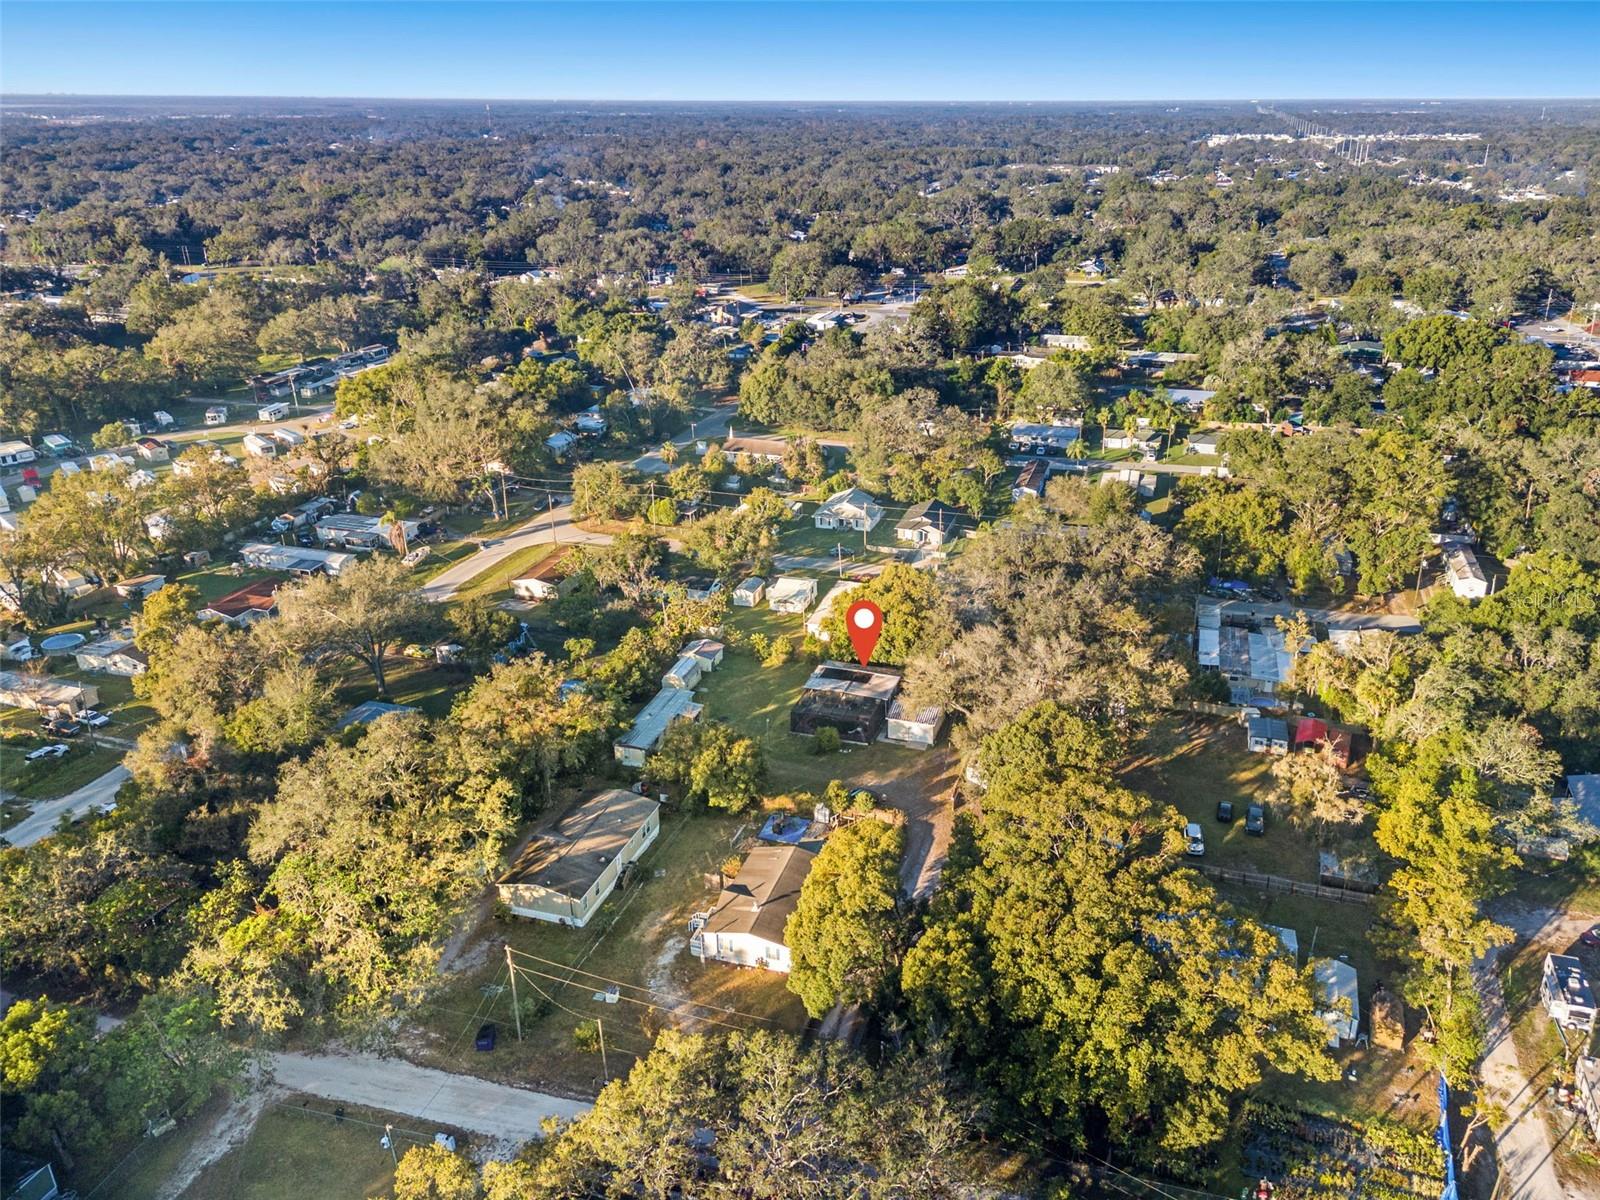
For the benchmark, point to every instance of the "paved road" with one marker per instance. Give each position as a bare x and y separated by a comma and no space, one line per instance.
553,526
496,1110
44,818
711,425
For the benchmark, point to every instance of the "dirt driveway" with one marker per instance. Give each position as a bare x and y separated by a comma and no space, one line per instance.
926,796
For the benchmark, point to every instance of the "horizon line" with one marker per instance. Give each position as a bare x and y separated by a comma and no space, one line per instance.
1410,98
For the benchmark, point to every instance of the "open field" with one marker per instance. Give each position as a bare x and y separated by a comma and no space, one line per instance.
1192,763
637,939
298,1148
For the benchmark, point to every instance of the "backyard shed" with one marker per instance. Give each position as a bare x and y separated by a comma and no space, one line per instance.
748,594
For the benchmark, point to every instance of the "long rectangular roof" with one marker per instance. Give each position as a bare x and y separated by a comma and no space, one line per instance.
569,857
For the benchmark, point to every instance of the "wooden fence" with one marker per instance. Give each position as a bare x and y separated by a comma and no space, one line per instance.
1291,887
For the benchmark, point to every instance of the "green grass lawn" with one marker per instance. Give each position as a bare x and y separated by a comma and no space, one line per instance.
218,579
421,683
757,700
297,1149
638,937
495,583
52,777
1192,763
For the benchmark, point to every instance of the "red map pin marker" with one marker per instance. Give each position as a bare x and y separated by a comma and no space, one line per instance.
864,620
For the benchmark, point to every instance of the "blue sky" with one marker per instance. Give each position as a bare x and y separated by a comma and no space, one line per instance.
802,51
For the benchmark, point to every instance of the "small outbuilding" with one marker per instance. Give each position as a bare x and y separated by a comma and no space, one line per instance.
748,594
1339,993
913,727
369,711
1266,735
792,594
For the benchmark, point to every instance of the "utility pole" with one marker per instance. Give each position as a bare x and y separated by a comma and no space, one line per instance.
516,1009
388,1141
600,1027
550,507
505,505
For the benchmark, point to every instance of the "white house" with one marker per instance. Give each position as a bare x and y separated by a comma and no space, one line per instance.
746,925
298,560
288,438
545,580
748,594
15,454
1204,443
153,449
560,442
1066,341
824,610
1338,988
669,706
139,585
112,656
1053,438
849,509
1031,480
216,415
932,524
1465,576
791,594
565,874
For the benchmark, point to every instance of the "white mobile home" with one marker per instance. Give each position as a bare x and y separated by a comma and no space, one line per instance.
824,610
669,706
565,874
792,594
748,594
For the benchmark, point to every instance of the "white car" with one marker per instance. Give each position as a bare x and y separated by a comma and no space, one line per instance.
93,719
54,750
1196,839
1551,328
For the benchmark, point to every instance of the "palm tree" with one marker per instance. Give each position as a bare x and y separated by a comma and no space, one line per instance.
669,452
1077,448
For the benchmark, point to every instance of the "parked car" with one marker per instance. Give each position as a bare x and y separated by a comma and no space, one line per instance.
1255,821
485,1039
65,729
93,719
1225,811
1591,936
54,750
1195,838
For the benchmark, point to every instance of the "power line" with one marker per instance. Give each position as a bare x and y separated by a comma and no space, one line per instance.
646,1003
638,987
